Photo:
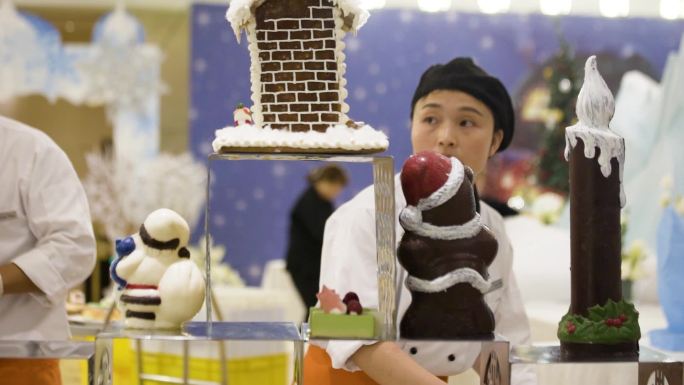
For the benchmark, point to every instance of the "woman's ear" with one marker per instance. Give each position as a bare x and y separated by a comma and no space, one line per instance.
497,138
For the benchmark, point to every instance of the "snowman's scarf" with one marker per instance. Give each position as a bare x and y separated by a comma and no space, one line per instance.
411,219
462,275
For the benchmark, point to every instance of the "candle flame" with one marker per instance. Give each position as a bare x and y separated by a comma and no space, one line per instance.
595,103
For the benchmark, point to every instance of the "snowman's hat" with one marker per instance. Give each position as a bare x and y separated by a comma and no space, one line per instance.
165,229
428,179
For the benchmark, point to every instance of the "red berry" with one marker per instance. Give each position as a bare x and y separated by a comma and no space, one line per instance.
609,322
571,328
349,297
623,317
354,307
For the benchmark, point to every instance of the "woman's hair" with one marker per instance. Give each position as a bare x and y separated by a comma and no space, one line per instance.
329,173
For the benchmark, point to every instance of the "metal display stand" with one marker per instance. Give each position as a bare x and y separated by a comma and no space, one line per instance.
383,175
654,367
198,331
383,180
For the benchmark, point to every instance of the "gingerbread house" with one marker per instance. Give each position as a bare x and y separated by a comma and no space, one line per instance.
296,49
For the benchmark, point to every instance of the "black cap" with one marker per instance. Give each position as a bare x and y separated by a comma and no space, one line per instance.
461,74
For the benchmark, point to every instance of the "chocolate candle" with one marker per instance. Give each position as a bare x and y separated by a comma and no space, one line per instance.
596,155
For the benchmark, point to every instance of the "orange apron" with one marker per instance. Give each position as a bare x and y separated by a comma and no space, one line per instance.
30,372
318,370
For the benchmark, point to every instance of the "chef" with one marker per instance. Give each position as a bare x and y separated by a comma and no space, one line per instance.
46,245
457,110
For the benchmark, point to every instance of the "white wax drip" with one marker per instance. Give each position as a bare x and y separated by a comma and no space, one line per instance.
595,109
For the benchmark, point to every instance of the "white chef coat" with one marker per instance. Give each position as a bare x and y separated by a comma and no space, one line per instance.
348,263
45,230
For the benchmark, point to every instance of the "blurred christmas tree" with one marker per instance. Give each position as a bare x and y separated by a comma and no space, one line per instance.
563,82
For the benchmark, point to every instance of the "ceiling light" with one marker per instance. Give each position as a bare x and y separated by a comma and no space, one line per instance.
614,8
555,7
670,9
434,5
494,6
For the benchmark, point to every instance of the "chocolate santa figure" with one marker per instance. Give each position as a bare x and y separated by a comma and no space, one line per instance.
445,251
160,286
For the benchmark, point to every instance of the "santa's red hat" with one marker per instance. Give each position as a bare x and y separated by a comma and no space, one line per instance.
429,179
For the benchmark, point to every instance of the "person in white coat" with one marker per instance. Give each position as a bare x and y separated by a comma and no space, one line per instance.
457,110
46,245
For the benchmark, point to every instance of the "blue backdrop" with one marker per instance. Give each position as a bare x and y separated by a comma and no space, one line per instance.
251,200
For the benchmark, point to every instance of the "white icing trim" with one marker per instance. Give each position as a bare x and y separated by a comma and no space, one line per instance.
336,137
447,190
595,108
411,219
462,275
340,57
255,74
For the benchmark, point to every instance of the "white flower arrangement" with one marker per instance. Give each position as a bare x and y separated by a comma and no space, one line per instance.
547,207
632,259
668,198
122,194
633,255
222,274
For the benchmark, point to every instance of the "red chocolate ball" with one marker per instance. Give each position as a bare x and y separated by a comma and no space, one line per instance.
354,307
350,296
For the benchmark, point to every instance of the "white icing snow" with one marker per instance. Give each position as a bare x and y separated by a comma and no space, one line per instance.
240,12
336,137
595,109
462,275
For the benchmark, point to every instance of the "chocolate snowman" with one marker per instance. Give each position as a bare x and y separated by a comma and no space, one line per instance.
445,250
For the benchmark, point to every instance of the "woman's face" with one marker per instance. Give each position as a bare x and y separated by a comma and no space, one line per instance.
454,123
328,190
